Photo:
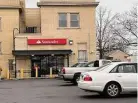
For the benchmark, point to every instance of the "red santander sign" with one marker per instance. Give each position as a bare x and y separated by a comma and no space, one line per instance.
47,41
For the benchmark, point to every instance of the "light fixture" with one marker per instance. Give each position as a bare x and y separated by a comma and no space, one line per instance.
70,42
14,62
73,53
52,54
91,52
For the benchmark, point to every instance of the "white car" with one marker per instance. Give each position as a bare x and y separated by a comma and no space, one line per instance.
110,79
73,73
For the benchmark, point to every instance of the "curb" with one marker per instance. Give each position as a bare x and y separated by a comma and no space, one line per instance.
16,79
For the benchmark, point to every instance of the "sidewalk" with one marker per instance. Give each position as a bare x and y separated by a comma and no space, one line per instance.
46,77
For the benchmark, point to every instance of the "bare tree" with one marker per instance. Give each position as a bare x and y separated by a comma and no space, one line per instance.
114,31
128,23
125,27
103,32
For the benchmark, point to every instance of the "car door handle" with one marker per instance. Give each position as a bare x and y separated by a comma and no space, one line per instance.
119,76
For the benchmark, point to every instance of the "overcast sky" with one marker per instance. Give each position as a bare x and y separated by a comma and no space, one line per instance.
114,5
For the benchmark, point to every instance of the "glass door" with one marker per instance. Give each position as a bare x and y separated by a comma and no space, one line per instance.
34,64
54,62
60,63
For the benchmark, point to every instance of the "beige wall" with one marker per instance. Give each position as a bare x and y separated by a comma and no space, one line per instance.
10,2
22,15
83,34
50,29
32,17
47,19
25,64
10,20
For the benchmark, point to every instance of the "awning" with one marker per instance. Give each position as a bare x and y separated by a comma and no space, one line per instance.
40,52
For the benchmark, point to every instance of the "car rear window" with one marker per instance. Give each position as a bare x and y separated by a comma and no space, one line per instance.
78,65
102,67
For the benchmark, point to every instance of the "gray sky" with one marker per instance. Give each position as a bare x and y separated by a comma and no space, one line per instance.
114,5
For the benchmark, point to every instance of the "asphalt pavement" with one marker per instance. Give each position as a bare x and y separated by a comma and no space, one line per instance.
53,91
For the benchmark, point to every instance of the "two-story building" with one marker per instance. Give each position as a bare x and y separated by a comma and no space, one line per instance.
58,33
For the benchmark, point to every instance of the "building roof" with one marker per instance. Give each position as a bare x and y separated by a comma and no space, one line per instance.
67,3
114,51
10,4
9,7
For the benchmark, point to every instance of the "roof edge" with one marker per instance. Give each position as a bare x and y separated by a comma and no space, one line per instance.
48,3
10,7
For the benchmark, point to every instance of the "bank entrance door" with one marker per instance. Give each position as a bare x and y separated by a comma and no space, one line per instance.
54,62
47,62
34,64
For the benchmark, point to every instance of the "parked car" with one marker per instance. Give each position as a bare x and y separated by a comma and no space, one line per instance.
72,73
111,79
80,64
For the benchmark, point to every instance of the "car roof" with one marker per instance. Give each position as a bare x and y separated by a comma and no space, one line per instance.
113,64
82,62
122,63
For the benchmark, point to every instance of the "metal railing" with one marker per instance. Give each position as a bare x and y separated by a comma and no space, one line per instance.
30,30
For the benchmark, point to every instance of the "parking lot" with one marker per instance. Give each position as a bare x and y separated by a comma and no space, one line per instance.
52,91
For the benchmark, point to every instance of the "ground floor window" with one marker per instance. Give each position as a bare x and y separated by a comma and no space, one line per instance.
82,55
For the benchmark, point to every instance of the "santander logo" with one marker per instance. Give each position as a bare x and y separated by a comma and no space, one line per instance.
46,41
38,42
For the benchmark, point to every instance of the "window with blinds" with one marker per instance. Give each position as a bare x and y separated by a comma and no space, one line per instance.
74,20
82,52
62,19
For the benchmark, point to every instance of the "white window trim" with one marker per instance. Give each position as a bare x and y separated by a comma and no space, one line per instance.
69,20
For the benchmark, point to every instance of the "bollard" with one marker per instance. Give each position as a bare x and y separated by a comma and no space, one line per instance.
22,73
8,74
36,72
51,76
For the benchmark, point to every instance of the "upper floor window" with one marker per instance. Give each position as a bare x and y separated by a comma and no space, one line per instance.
74,20
62,19
70,20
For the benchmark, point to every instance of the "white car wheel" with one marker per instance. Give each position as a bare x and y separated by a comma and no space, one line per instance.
112,90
